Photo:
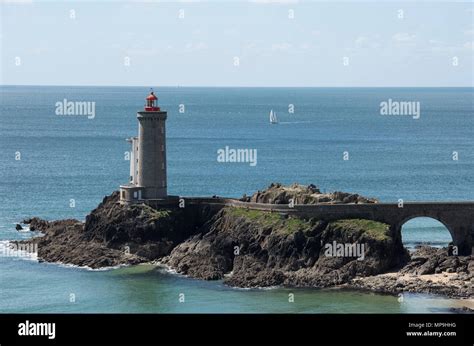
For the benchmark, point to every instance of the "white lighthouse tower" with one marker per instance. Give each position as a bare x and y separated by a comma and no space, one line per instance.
148,157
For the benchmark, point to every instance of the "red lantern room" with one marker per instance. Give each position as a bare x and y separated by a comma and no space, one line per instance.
152,103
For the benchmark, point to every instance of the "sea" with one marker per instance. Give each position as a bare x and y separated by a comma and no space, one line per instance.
56,165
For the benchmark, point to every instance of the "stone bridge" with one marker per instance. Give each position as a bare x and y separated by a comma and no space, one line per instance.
458,217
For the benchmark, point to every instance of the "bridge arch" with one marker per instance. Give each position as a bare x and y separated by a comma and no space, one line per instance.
409,233
405,219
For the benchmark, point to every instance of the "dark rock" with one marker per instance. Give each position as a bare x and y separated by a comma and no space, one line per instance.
462,310
276,193
250,249
427,260
18,227
114,234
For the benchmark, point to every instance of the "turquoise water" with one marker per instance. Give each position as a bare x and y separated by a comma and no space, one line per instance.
72,157
147,289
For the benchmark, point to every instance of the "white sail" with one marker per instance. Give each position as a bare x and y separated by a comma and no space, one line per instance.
273,117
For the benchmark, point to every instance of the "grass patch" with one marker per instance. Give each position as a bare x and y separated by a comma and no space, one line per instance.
374,229
153,214
274,220
293,224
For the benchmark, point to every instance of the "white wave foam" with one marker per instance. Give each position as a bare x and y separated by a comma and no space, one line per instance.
103,269
267,288
166,268
25,229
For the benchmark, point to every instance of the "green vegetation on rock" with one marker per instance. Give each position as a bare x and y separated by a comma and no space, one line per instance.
275,220
151,213
374,229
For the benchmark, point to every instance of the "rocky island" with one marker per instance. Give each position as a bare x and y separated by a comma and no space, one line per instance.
245,247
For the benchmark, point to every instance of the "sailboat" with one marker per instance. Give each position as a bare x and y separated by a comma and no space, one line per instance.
273,117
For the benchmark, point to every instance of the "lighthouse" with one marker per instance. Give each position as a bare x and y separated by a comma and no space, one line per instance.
147,157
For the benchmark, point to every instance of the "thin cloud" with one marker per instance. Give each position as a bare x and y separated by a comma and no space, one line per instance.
403,37
469,45
194,47
281,46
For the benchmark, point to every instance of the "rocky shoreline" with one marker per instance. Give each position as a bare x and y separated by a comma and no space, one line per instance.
430,270
250,248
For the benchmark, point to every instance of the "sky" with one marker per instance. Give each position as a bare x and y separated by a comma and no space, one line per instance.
283,43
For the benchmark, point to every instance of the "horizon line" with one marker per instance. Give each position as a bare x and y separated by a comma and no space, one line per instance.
221,86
